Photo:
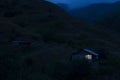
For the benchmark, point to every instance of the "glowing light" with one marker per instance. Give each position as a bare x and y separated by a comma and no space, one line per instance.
89,57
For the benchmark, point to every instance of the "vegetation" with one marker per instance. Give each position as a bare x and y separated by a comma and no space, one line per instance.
54,36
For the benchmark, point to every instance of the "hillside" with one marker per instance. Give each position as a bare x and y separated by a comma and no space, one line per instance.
95,11
37,39
31,21
104,20
63,6
45,28
111,20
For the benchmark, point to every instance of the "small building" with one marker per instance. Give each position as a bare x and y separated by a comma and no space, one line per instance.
89,55
21,42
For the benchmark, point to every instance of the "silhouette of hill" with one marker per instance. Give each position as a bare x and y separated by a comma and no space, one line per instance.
33,40
95,11
37,39
64,6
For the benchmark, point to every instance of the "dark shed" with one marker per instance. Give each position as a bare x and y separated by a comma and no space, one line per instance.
21,42
85,54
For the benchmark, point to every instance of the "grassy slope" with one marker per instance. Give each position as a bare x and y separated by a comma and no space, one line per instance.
54,34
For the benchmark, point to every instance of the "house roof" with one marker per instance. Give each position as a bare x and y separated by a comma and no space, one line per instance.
91,52
20,41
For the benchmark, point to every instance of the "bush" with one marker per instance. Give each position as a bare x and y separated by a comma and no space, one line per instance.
110,69
80,70
113,64
12,66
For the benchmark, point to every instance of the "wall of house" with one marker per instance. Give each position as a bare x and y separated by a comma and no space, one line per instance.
78,57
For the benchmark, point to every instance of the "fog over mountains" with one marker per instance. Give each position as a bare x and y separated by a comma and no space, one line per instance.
80,3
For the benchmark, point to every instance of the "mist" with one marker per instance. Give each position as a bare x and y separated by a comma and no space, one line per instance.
81,3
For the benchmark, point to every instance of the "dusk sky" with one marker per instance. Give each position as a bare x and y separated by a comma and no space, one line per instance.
76,3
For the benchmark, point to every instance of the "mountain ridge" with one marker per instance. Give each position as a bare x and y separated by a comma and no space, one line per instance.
94,11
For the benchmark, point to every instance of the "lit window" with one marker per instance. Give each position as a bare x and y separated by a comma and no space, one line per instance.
89,57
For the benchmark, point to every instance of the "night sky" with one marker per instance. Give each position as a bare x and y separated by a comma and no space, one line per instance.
76,3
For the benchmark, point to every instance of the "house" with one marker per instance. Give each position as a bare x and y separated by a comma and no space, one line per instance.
90,55
21,42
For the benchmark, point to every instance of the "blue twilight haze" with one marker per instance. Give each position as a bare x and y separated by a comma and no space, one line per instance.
80,3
